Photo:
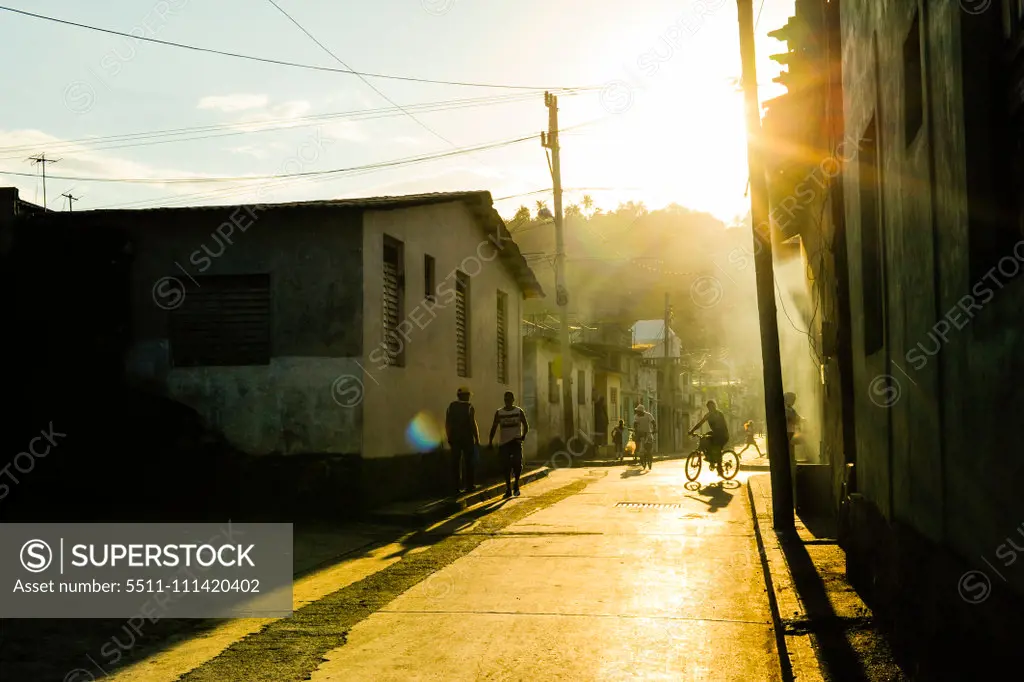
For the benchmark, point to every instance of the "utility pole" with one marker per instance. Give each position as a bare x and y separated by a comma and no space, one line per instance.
42,161
775,409
549,141
669,403
70,200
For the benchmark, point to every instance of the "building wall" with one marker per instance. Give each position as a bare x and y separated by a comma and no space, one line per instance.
546,417
314,260
943,411
394,396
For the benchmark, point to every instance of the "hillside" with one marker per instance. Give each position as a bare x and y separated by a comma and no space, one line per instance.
620,265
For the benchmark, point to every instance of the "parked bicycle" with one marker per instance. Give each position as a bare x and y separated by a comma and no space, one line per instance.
728,465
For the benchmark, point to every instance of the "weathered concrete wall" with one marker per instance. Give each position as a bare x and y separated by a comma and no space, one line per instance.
547,417
428,381
956,369
314,260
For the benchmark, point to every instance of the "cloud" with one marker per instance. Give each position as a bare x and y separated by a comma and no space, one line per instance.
233,103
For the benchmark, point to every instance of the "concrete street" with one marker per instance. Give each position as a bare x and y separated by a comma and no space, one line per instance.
593,574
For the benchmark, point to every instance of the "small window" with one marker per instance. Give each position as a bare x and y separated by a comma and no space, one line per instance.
871,241
502,337
429,279
225,322
392,301
581,387
913,91
462,324
614,395
554,395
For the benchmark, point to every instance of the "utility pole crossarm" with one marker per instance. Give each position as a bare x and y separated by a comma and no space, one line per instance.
42,161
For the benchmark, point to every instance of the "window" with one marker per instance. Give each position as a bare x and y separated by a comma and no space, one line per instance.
871,241
462,323
614,395
225,322
913,92
394,285
502,337
554,395
581,387
429,278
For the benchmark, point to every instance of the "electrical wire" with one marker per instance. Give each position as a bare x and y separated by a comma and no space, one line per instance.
361,77
143,139
297,65
290,178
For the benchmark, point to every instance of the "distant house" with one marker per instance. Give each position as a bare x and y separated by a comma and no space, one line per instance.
542,395
333,332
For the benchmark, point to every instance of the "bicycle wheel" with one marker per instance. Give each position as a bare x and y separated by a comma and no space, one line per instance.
730,465
693,465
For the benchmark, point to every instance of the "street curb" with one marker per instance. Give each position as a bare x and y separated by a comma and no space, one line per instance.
796,651
438,510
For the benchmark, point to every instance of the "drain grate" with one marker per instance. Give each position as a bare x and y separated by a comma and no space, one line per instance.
647,505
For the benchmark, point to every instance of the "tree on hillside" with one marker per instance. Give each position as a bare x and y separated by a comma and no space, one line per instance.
588,203
521,217
573,211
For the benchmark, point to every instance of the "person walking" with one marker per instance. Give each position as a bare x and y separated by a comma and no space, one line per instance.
511,419
618,434
748,429
464,438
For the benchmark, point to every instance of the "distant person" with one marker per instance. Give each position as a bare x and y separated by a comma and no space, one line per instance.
617,437
748,430
717,439
643,435
464,438
511,419
793,420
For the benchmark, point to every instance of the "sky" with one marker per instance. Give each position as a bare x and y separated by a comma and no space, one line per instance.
661,121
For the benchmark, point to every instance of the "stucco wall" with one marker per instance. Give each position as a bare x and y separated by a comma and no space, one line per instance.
428,381
314,260
547,417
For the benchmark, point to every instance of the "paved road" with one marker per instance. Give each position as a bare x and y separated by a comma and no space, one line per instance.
587,590
584,577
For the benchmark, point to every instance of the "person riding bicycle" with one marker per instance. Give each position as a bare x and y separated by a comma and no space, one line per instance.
713,443
643,427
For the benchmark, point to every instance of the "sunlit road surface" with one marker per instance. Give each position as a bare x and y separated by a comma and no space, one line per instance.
587,590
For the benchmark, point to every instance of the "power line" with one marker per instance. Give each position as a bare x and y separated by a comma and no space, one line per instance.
249,178
42,161
758,20
142,139
297,65
361,77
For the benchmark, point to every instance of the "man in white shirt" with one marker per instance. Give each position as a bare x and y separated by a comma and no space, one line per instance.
512,421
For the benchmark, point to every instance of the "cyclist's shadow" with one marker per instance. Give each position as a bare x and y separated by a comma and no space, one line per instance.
719,497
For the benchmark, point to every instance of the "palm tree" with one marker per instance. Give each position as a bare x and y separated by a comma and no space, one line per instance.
588,203
573,211
521,216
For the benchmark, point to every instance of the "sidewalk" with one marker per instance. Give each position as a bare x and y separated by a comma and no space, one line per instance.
830,634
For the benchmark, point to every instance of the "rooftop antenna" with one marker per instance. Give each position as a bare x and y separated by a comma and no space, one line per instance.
42,161
70,199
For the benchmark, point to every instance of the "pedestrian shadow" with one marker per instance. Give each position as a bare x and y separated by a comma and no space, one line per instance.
426,537
719,498
631,473
834,650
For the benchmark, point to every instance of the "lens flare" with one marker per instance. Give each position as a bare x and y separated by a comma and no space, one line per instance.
424,433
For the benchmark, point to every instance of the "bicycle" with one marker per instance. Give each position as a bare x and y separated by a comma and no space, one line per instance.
728,465
642,454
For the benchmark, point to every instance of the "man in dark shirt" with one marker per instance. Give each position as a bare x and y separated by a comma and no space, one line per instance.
719,437
463,438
